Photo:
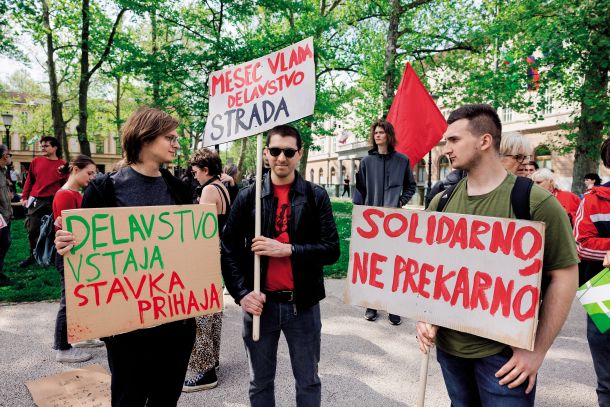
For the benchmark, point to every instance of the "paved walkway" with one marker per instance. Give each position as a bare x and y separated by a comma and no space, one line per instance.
363,364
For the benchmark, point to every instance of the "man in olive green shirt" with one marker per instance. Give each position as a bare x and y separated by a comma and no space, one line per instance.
479,371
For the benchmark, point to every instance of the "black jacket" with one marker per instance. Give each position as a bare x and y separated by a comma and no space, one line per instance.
384,180
312,232
100,192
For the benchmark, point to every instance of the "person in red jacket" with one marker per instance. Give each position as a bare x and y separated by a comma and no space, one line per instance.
592,233
43,181
546,179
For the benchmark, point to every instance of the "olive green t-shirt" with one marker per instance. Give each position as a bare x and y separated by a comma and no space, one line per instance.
559,247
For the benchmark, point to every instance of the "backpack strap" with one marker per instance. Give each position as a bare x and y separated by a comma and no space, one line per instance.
445,197
520,198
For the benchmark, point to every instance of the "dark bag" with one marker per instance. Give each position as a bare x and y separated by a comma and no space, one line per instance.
44,253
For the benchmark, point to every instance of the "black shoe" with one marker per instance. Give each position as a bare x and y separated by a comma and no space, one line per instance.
394,319
202,381
370,314
27,262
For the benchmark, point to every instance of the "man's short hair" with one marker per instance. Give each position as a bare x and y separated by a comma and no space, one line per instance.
143,127
482,119
3,149
388,128
53,142
605,152
207,158
285,130
533,164
592,176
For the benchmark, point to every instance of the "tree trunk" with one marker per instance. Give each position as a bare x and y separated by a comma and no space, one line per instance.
389,64
117,110
59,125
156,84
242,157
590,127
83,84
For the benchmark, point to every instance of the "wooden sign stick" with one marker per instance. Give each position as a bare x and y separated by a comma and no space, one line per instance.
256,320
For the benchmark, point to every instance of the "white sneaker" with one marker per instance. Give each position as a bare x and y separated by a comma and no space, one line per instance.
91,343
71,355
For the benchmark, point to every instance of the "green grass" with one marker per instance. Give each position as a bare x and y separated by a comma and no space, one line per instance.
342,210
33,283
36,283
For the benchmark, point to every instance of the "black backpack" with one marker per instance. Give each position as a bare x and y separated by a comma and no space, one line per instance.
519,198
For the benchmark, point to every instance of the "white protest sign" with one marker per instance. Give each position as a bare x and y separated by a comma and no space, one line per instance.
474,274
258,95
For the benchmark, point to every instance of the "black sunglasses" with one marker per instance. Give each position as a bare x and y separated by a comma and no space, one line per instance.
288,152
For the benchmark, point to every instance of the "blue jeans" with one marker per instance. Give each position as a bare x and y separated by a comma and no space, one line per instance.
599,343
472,382
302,331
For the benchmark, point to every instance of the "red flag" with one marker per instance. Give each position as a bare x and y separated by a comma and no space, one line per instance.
418,123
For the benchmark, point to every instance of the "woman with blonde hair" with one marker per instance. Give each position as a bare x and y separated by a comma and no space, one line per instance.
546,179
515,152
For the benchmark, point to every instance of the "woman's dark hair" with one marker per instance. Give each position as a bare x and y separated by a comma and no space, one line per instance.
207,158
142,127
81,161
594,177
389,131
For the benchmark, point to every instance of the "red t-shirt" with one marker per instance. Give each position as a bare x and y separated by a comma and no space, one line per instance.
279,270
66,199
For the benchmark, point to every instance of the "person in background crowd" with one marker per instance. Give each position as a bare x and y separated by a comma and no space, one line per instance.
80,171
228,179
43,181
515,153
345,187
451,179
592,180
530,167
479,371
592,233
148,365
299,237
205,357
384,179
544,178
6,210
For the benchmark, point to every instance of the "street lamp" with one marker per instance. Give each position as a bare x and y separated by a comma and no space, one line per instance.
7,119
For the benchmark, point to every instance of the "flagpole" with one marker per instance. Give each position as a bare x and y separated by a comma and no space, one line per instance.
256,319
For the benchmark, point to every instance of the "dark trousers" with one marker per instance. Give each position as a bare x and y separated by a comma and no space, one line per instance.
42,206
302,330
5,243
345,190
148,366
599,344
472,382
61,325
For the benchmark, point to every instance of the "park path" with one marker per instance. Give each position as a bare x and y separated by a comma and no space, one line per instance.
363,364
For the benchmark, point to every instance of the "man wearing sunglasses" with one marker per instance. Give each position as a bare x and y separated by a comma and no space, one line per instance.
43,181
384,179
298,238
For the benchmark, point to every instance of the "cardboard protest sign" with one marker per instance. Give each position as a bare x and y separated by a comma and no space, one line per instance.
594,296
89,386
474,274
139,267
255,96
